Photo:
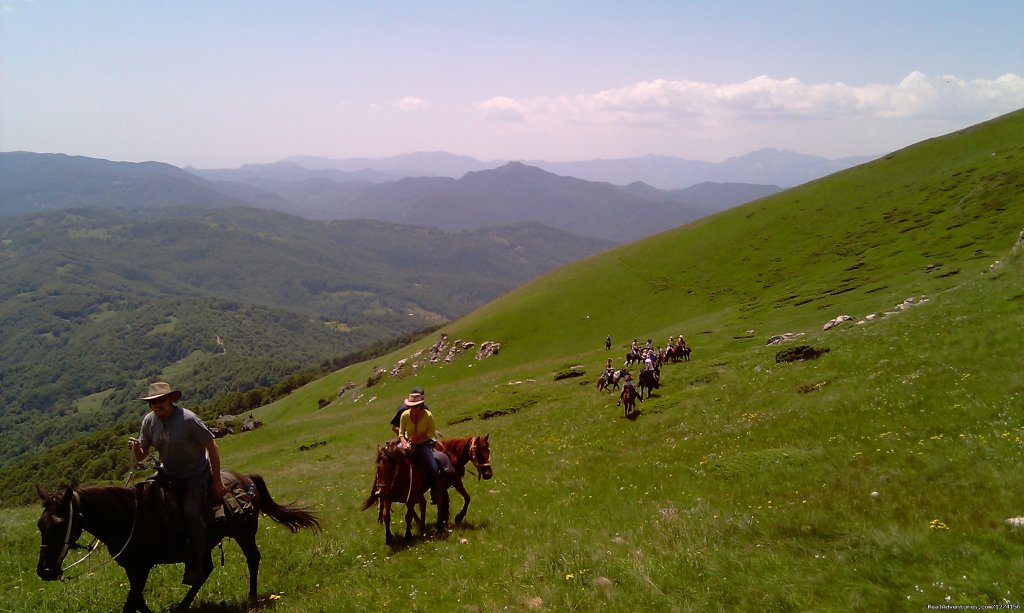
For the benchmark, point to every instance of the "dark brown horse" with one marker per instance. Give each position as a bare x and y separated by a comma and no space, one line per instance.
628,399
138,536
398,479
676,353
649,380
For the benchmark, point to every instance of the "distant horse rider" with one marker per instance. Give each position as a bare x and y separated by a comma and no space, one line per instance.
608,342
627,383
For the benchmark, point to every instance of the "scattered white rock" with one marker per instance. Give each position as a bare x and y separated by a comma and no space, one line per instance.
784,337
835,321
1015,522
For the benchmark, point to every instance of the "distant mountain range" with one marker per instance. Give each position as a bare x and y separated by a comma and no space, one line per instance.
765,167
510,194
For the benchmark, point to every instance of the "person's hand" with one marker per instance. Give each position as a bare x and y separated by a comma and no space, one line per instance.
218,489
134,445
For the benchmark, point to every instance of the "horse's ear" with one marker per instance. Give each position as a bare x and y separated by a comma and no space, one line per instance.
486,435
69,492
43,495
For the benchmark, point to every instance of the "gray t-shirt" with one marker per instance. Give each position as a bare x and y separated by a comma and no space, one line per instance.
181,441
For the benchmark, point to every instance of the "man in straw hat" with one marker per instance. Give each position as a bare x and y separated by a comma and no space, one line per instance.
189,455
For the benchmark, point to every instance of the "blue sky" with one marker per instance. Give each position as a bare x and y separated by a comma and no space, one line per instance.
219,84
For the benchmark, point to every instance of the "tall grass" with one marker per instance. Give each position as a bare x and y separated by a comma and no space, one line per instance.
877,477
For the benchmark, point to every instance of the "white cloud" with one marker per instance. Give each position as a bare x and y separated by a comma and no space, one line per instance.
502,109
663,102
409,103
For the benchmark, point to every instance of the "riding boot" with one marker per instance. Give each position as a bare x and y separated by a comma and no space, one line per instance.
432,486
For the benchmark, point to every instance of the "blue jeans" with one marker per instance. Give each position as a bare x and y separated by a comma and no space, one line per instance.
193,499
427,461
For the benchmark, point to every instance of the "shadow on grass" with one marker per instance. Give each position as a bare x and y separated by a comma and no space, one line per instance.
265,603
433,534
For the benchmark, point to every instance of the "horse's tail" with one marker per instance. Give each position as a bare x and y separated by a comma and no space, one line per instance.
293,517
373,498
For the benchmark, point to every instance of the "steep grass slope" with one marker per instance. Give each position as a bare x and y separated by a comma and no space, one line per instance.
746,484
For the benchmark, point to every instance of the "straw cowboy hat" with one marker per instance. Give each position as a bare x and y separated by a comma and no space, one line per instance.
159,390
414,400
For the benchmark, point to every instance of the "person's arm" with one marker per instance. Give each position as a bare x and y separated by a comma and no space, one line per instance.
403,429
214,453
139,451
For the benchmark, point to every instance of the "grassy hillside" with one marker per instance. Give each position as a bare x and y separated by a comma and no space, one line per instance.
746,484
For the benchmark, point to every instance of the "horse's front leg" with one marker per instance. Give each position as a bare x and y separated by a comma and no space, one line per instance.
422,518
389,539
460,488
410,513
186,602
136,602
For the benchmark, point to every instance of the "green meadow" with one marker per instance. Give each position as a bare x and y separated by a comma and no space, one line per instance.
878,476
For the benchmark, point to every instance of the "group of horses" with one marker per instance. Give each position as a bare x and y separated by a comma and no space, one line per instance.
139,536
398,480
647,379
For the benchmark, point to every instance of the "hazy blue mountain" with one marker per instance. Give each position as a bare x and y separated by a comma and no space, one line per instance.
511,194
291,172
766,166
39,182
517,193
422,164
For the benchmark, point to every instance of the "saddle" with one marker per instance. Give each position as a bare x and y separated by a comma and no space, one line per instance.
159,498
444,461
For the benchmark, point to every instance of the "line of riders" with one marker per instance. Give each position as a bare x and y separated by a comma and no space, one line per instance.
650,359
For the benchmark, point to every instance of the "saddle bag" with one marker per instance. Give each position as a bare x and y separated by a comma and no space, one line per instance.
238,501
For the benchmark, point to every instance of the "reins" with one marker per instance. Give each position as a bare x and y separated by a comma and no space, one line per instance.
94,545
473,460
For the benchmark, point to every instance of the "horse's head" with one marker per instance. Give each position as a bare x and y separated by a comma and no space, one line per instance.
480,456
389,457
60,526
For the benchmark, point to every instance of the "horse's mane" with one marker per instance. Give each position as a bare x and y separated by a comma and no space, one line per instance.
122,497
391,452
458,445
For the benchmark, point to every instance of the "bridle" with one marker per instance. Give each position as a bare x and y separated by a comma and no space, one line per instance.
385,492
68,544
473,452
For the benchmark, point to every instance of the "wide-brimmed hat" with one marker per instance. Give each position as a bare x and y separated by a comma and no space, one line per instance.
159,390
414,400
